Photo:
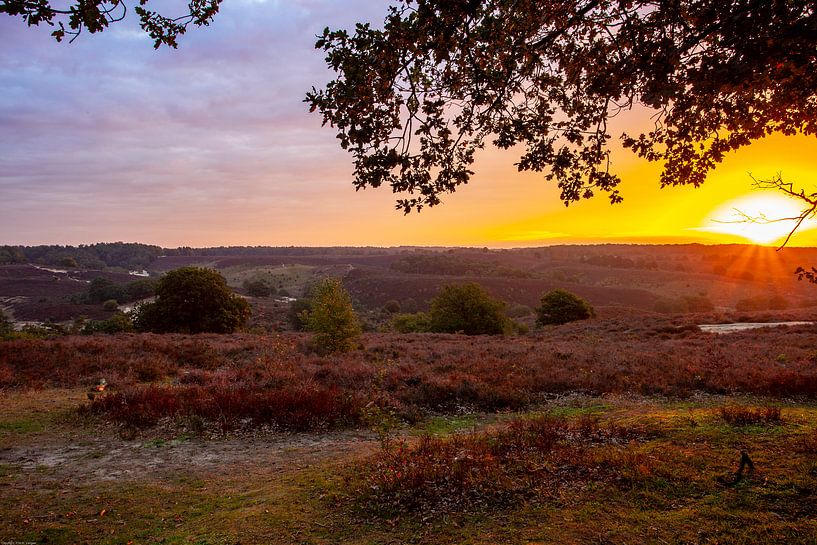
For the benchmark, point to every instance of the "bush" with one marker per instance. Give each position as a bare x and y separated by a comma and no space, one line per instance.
298,310
419,322
6,326
560,307
101,290
392,307
193,300
258,288
469,309
332,318
744,416
110,305
118,323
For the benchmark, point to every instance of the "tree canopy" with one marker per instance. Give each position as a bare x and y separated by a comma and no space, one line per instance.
193,300
469,309
560,307
93,16
414,100
332,318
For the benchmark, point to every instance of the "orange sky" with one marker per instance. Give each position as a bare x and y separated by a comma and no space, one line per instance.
502,207
211,144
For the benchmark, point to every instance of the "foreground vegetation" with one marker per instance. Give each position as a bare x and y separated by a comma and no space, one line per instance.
249,381
608,431
579,469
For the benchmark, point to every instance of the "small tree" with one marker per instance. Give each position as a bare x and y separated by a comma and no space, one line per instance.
468,308
193,300
560,307
6,327
332,318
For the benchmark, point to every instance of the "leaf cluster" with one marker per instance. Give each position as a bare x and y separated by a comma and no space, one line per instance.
415,100
97,15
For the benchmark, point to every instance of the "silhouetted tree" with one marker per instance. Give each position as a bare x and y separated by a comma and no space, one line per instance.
93,16
414,100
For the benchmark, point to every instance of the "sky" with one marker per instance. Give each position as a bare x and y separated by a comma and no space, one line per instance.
107,139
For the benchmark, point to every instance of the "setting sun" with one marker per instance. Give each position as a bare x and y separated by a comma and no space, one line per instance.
760,217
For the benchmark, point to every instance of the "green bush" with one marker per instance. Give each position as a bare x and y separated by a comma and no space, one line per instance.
469,309
298,310
419,322
193,300
110,305
118,323
560,307
332,318
6,326
258,288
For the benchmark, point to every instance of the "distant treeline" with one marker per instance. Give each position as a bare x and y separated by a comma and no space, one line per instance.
134,256
91,256
222,251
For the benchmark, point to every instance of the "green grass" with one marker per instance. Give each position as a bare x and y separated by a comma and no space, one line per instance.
446,425
20,426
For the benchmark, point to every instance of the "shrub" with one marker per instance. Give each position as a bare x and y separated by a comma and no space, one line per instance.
118,323
332,318
411,323
469,309
6,326
101,290
110,305
258,288
298,310
495,467
301,408
560,307
193,300
744,416
392,307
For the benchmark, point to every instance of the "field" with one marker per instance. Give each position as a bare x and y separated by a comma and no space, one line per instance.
633,427
613,431
616,279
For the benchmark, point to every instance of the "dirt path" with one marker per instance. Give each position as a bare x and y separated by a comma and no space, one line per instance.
57,450
107,459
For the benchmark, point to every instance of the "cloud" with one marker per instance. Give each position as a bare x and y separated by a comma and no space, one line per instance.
107,132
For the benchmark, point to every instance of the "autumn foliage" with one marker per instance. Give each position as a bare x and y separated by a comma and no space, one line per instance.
413,373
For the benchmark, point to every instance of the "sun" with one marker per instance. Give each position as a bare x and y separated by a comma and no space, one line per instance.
767,210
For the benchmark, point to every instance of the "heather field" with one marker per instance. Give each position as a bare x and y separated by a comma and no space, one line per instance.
610,431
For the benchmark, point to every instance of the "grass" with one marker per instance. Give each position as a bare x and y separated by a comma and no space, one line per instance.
638,472
292,278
